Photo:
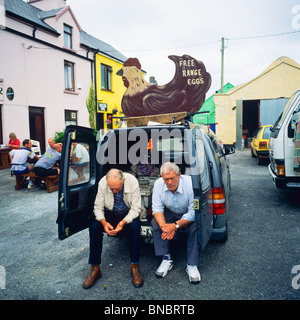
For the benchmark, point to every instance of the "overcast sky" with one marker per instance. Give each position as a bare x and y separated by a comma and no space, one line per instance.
150,30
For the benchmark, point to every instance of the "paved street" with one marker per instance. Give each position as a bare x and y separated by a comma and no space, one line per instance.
255,263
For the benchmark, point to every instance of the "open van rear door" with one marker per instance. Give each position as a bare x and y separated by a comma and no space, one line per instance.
78,181
202,185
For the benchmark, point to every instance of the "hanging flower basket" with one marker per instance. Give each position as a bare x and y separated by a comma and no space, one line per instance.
108,120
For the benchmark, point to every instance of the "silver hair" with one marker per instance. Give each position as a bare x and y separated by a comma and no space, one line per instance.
168,166
115,173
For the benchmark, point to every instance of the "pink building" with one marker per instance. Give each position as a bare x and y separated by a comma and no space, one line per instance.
46,67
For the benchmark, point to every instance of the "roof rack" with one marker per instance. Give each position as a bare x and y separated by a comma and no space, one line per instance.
167,118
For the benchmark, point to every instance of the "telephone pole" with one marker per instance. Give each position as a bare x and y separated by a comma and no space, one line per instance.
222,64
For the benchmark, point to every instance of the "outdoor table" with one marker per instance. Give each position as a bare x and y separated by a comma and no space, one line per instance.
4,158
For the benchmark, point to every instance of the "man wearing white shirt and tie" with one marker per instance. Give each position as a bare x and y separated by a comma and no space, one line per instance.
173,209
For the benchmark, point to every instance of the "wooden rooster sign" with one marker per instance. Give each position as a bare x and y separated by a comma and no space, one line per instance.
186,92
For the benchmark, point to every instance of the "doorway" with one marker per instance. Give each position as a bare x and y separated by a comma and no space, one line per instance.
37,126
99,120
250,116
247,121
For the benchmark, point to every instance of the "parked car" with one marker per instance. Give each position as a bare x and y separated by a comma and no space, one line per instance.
260,144
196,153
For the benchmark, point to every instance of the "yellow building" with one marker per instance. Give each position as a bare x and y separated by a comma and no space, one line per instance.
109,90
109,87
243,108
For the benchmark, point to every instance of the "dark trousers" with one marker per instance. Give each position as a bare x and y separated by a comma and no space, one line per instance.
162,247
96,237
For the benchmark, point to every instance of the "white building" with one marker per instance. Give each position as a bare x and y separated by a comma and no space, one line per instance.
45,69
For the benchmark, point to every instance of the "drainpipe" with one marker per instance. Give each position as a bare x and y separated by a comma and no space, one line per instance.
88,51
95,86
33,32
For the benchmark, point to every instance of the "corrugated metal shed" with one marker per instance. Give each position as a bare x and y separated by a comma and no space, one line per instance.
270,110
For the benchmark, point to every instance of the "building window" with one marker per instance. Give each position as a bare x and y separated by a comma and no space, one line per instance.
70,117
67,36
106,72
69,76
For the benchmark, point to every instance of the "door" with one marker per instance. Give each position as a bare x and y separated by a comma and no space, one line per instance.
239,124
289,139
37,126
201,179
1,134
78,181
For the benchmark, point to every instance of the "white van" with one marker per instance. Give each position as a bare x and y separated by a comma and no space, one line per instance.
282,145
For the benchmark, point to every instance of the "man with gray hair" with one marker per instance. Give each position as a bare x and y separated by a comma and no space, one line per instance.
173,209
117,207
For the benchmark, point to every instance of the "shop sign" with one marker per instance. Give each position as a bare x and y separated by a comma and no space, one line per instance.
102,107
10,93
184,93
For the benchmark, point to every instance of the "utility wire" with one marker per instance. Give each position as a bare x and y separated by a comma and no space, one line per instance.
264,36
183,47
210,42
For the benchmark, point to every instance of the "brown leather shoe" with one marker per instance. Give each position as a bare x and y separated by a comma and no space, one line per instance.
137,279
94,275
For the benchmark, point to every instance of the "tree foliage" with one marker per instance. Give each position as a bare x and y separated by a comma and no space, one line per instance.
91,106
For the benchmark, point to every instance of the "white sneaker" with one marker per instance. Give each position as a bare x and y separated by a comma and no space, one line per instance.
30,185
165,266
194,275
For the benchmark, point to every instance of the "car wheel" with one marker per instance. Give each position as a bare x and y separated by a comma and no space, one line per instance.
258,160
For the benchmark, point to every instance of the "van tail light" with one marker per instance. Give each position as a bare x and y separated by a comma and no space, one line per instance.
217,200
280,170
263,145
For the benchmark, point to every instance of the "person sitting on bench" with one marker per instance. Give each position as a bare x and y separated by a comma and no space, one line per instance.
20,157
46,165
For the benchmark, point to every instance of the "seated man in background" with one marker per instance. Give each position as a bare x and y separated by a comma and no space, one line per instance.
51,142
46,164
20,157
80,159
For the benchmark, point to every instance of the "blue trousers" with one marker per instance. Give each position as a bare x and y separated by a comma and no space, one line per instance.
96,237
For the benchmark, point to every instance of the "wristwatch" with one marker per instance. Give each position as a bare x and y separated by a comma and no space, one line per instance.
176,225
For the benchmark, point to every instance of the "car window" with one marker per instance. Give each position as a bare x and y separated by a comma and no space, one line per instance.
257,132
266,133
79,163
202,163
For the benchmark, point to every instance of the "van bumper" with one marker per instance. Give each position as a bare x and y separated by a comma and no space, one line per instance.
219,232
284,183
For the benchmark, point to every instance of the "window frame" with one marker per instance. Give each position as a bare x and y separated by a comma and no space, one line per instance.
68,117
68,37
106,77
67,74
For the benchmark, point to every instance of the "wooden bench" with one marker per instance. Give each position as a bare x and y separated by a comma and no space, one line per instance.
49,181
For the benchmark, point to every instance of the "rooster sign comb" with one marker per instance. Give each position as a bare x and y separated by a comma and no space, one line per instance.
186,92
